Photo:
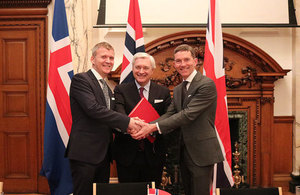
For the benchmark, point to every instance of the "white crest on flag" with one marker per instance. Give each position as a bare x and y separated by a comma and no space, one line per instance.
219,70
60,125
63,73
126,71
139,42
227,168
130,31
56,45
128,55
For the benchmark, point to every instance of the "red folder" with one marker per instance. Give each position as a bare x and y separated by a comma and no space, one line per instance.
145,111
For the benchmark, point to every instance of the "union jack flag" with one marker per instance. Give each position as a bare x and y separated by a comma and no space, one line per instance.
58,119
134,41
214,69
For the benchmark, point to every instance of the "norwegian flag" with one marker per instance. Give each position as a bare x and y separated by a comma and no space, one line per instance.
134,41
58,119
154,191
214,69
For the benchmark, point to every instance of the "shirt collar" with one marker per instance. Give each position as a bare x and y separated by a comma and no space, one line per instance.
146,87
191,77
97,75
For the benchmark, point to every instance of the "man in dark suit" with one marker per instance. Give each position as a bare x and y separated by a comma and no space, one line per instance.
92,122
193,110
142,160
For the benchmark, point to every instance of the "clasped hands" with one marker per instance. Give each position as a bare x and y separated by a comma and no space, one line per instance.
138,129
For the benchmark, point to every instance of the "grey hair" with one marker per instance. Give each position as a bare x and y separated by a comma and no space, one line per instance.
144,55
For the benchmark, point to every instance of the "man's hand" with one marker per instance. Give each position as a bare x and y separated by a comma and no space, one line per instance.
135,125
144,131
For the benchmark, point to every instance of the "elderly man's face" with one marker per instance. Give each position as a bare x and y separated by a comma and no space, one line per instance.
142,70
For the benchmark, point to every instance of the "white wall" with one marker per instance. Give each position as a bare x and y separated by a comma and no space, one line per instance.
195,11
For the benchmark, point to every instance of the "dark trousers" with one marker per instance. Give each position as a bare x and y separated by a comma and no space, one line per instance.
196,179
139,171
85,174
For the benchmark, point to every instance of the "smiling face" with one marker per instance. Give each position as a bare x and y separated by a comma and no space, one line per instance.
142,70
184,63
103,61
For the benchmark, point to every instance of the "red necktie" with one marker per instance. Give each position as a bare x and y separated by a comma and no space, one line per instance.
141,142
141,92
150,138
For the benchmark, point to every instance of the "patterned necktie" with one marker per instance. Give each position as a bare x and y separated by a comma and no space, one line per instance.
184,90
105,91
141,92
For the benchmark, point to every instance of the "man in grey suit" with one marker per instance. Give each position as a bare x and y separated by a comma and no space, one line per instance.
192,110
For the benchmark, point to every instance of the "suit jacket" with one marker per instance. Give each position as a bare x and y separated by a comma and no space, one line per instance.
92,121
196,119
125,147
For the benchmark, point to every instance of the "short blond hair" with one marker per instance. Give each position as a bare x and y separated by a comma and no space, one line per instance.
101,44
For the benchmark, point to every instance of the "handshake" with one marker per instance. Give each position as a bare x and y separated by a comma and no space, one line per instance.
138,129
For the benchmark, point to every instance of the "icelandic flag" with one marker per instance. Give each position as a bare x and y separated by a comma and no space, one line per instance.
134,41
58,119
214,69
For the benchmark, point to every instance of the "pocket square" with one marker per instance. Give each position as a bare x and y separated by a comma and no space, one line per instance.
112,98
189,96
158,101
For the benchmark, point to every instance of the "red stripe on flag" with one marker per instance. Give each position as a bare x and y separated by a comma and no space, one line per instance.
61,57
209,62
125,63
57,87
135,21
213,19
222,121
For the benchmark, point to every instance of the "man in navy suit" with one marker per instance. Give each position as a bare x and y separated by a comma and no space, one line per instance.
192,110
93,119
142,160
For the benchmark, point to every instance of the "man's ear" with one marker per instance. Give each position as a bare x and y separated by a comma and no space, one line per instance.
196,61
92,59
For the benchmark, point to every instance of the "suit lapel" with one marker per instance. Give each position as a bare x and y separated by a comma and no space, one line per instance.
194,82
178,96
151,93
192,88
96,86
133,91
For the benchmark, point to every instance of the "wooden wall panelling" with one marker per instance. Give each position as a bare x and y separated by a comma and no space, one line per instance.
282,144
23,48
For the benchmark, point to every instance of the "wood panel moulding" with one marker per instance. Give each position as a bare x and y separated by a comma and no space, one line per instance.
282,150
